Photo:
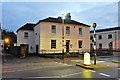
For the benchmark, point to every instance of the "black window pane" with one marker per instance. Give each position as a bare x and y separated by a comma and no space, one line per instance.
53,44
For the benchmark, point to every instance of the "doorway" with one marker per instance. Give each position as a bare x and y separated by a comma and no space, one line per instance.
67,45
37,49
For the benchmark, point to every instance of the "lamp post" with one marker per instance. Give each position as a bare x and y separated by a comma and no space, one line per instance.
94,26
62,38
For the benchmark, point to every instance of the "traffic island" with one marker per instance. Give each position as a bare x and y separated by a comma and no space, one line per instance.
116,61
92,66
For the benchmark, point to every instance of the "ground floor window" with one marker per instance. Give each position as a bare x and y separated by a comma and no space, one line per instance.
80,44
100,45
53,44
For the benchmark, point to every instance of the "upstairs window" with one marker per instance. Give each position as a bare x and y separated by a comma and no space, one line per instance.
53,29
110,36
68,30
80,31
100,36
25,34
53,44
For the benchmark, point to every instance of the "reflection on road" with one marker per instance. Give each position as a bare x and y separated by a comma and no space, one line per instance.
87,73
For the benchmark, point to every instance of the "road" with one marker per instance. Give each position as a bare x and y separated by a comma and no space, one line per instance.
54,68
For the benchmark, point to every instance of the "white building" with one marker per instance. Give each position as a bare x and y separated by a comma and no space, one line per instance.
1,41
108,38
46,36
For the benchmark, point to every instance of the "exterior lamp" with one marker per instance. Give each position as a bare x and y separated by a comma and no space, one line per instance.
7,40
94,26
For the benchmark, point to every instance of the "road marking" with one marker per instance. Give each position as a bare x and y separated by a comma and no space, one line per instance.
44,77
92,70
103,74
71,74
7,71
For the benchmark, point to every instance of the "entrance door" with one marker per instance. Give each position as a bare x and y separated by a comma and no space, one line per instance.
110,45
36,49
67,45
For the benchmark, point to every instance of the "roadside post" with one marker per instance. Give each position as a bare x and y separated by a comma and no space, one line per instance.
86,58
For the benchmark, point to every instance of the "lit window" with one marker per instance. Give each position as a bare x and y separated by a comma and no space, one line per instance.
80,44
80,31
26,34
53,44
68,30
53,29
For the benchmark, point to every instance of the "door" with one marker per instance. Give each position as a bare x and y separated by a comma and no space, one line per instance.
110,45
36,49
67,45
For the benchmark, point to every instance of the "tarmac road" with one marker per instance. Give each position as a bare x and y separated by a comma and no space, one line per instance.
38,67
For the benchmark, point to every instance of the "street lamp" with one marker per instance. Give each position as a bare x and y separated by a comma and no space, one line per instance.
94,26
7,40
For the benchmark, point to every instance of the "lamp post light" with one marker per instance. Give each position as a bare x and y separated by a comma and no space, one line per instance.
94,26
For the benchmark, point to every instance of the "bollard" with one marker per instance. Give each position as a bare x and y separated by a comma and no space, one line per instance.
86,58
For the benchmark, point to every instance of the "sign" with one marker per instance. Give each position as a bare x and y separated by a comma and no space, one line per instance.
87,58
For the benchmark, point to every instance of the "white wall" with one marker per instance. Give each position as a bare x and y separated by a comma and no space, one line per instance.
29,40
46,36
105,41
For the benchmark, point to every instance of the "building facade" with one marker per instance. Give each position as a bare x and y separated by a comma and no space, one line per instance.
108,38
53,35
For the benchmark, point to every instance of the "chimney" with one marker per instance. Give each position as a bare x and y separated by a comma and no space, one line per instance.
68,16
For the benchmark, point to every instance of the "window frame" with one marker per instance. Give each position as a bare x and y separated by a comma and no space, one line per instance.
53,44
67,30
109,36
80,31
53,29
80,44
26,34
100,37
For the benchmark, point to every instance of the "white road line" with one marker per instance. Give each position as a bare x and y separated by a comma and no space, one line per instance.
103,74
92,70
44,77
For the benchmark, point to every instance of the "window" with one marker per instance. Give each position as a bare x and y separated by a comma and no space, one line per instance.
110,36
53,44
80,44
100,37
91,37
68,30
91,46
100,45
26,34
80,31
53,29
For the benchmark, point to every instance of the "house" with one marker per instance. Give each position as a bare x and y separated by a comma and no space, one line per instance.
25,35
1,41
108,38
54,35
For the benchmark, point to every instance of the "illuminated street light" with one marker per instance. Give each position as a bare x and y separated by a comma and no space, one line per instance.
94,26
7,40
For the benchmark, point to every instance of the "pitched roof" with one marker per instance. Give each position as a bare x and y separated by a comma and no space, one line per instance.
107,29
27,26
59,20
